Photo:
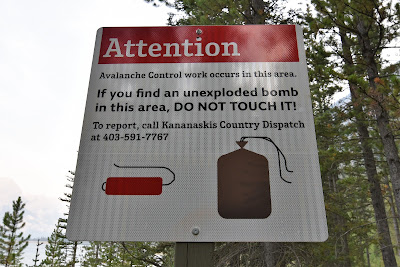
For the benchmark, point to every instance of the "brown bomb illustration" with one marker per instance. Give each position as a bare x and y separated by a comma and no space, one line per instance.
244,182
243,185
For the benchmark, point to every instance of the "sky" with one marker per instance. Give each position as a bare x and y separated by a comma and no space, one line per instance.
45,60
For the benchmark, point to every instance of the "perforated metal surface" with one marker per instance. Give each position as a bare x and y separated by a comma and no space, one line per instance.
188,156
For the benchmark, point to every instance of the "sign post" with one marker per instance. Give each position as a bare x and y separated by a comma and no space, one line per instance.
193,254
198,134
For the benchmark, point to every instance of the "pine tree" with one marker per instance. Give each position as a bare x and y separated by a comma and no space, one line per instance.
362,30
110,256
228,12
55,249
12,240
128,254
92,253
71,247
36,259
147,253
2,256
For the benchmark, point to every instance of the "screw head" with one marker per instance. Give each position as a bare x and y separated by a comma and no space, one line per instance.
195,231
199,31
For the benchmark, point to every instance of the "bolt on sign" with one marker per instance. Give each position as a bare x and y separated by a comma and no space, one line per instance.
198,134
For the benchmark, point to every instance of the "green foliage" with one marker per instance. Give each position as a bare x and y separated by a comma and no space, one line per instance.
12,240
36,259
92,254
149,253
342,27
228,12
70,247
55,249
128,254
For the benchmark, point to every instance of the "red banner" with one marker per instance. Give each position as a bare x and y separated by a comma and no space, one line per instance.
191,44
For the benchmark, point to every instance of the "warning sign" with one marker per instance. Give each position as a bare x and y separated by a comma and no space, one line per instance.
198,134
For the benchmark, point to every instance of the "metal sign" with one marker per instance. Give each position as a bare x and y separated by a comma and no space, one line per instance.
198,134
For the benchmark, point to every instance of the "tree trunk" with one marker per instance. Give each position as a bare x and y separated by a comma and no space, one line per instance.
74,250
381,114
368,258
271,254
346,250
340,220
378,204
97,245
394,215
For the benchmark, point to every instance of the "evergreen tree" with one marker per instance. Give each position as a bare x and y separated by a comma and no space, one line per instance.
92,254
71,247
110,256
128,254
228,12
148,253
36,259
55,249
331,124
12,240
60,251
362,30
2,256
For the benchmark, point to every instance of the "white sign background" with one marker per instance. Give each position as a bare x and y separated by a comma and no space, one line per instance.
190,202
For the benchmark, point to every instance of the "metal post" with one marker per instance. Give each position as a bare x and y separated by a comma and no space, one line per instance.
193,254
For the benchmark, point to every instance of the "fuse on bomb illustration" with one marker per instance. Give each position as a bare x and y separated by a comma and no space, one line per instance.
134,185
244,183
